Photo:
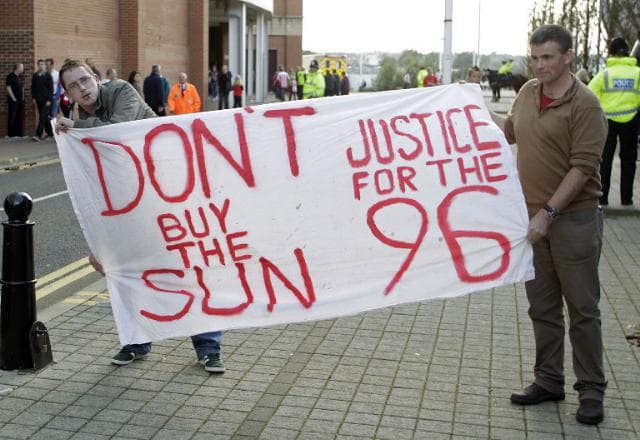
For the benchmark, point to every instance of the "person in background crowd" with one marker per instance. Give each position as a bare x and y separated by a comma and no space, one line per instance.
237,89
89,62
224,87
583,75
301,78
474,75
213,82
66,104
281,83
329,88
560,128
183,97
431,79
504,67
406,81
336,82
15,100
111,75
293,86
153,89
618,89
134,80
166,88
422,74
314,85
57,89
345,86
42,94
112,103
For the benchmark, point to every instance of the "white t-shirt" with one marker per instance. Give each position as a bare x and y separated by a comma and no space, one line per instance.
55,75
283,79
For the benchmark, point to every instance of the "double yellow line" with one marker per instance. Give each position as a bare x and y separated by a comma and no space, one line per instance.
63,277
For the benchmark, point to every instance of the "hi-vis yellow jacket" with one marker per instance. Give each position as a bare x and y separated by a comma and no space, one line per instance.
618,88
422,73
314,86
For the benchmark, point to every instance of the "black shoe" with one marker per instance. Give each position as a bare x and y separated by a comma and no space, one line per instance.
590,412
534,394
213,363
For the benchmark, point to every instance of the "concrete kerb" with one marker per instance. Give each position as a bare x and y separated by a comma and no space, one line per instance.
14,163
24,152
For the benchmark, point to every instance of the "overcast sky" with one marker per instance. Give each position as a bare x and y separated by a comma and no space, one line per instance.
395,25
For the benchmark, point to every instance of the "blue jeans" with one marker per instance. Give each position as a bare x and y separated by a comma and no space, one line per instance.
55,107
204,343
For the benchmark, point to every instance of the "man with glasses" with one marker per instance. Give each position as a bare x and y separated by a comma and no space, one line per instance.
111,103
99,104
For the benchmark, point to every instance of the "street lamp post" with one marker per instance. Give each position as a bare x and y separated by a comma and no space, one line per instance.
447,60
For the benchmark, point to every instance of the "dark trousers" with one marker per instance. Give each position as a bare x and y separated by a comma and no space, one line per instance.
237,101
223,100
566,265
16,115
43,119
300,91
628,134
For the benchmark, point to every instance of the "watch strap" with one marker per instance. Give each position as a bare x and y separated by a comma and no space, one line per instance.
552,212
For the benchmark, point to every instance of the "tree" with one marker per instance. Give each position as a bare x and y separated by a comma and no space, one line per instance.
593,23
387,78
620,18
579,17
462,62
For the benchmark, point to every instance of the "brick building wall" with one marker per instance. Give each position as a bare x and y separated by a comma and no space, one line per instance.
289,50
285,36
130,39
16,46
94,33
124,34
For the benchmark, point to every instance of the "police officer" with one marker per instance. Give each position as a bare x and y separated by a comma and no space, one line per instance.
618,89
301,78
314,85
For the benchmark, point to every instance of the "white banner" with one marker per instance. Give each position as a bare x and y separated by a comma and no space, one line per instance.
299,210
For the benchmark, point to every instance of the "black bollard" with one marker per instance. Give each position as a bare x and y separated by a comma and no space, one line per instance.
18,306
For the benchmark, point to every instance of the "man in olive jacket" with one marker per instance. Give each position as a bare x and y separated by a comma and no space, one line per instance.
112,103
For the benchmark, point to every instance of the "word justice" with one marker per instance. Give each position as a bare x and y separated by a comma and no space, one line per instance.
418,130
194,158
432,135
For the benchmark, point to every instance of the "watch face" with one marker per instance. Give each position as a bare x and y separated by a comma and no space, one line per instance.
553,213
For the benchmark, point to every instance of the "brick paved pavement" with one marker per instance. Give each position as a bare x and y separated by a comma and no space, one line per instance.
441,369
437,370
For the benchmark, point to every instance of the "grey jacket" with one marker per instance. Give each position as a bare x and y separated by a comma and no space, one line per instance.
118,102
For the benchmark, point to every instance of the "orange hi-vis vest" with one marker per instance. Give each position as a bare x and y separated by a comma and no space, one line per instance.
184,101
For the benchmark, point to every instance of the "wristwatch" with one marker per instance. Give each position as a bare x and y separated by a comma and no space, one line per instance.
553,213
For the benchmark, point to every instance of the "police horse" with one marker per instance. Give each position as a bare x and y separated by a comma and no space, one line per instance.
498,81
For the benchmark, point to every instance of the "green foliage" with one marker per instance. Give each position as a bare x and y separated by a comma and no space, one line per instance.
392,70
387,78
462,62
